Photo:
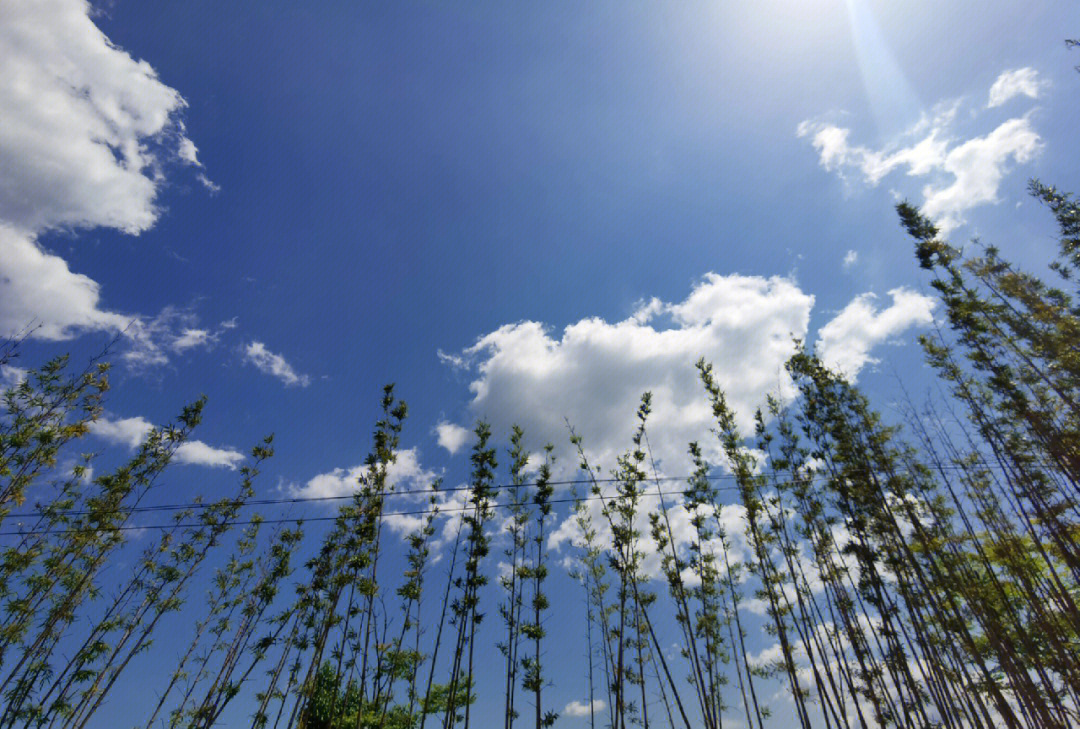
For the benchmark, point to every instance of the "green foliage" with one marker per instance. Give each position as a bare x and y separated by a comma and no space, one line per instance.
333,707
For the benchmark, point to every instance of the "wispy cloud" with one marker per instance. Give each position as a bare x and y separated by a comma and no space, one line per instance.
961,173
173,331
192,338
1018,82
273,364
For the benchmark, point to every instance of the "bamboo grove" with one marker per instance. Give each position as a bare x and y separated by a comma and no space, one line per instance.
832,568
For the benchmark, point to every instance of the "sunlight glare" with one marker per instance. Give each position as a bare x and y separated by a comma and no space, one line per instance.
893,102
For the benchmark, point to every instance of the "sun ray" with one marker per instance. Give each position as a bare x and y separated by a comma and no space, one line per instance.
892,100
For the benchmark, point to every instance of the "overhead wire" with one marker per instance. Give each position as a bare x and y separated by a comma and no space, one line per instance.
290,500
303,520
295,500
341,497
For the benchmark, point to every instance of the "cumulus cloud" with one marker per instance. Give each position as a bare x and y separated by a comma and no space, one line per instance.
412,485
275,365
81,120
405,473
132,432
11,376
1017,82
38,289
451,436
978,166
198,453
593,372
731,517
850,259
85,133
844,343
961,173
584,708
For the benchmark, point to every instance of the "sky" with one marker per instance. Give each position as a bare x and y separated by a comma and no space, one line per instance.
522,212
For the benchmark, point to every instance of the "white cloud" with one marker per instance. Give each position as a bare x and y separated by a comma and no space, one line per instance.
38,289
850,258
453,360
844,343
80,118
584,708
273,364
198,453
732,517
85,131
209,184
11,376
404,511
173,331
191,338
407,507
921,157
131,432
769,656
1017,82
451,436
962,174
594,372
188,152
404,473
978,167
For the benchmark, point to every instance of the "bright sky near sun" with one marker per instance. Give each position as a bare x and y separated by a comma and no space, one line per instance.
523,212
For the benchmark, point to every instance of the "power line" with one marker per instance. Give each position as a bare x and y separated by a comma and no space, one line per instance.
294,500
284,520
322,499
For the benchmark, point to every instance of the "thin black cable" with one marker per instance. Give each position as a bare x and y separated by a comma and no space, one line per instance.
317,499
418,512
283,520
385,494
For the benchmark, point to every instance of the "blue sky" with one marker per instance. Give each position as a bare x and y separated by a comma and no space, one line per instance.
521,212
